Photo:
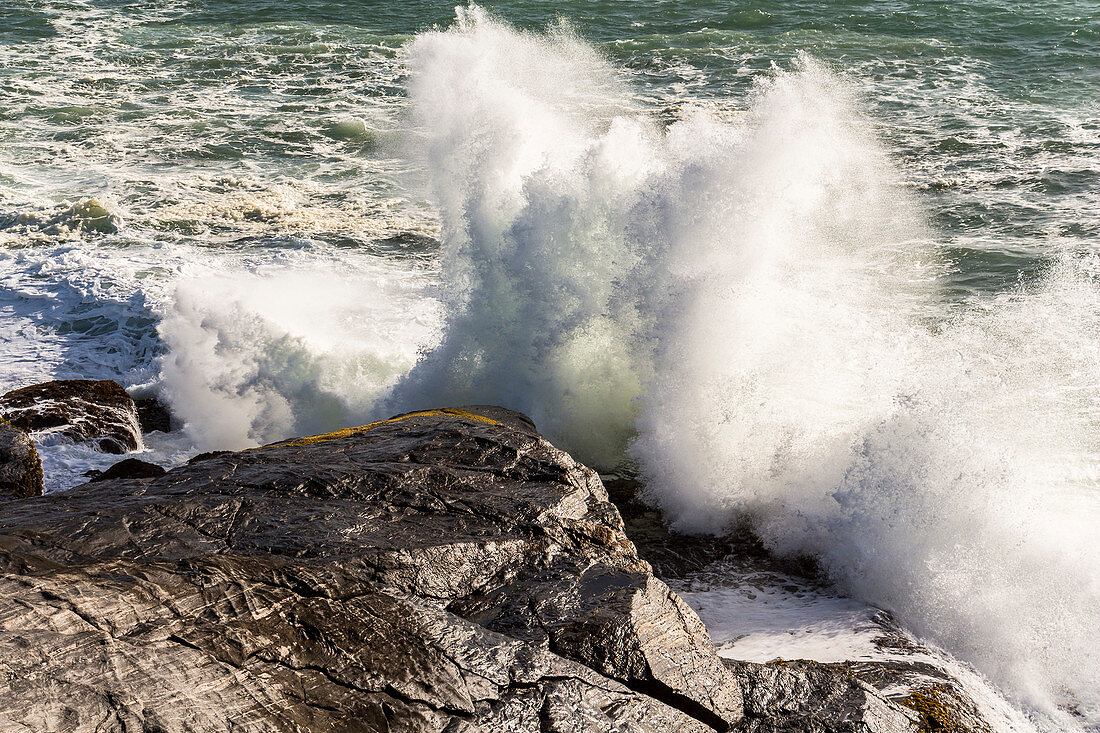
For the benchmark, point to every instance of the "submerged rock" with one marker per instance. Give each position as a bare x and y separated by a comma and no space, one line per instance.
85,411
20,467
447,570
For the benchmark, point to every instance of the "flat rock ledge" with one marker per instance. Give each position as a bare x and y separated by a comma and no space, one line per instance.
447,570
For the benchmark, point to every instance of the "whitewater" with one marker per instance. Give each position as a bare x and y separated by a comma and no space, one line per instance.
749,307
745,302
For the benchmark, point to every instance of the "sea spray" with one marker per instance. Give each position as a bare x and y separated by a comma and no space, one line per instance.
267,352
577,230
756,302
544,180
777,342
966,503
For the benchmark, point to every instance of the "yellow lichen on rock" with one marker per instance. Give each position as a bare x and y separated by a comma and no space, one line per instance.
347,432
942,710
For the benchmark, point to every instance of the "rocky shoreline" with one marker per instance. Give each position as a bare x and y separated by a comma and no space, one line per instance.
446,570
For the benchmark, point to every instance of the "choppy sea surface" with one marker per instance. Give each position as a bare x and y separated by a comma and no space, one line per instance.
831,265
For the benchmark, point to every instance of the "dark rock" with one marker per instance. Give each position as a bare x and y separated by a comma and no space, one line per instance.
320,584
672,554
153,415
20,467
208,455
809,697
130,468
85,411
443,571
675,555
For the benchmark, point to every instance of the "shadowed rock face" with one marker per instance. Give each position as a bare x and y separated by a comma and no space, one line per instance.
20,467
441,571
153,415
127,468
83,410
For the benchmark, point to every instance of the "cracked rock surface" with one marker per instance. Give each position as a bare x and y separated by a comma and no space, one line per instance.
808,697
445,571
340,583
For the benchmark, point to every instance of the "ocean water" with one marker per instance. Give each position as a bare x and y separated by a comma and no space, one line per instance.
830,266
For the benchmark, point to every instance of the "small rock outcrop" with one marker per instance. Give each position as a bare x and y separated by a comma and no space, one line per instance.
153,415
20,467
129,468
446,570
97,412
809,697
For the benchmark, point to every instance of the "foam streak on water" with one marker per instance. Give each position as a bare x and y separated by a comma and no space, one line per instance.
758,299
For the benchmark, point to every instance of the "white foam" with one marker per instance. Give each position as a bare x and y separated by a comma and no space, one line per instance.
758,298
763,617
954,483
780,618
264,353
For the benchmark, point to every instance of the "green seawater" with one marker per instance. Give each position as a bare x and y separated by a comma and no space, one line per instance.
990,108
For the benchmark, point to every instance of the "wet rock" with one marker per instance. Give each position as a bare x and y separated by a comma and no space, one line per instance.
153,415
882,696
341,582
129,468
672,554
622,622
85,411
447,570
808,697
207,455
675,555
938,700
20,467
